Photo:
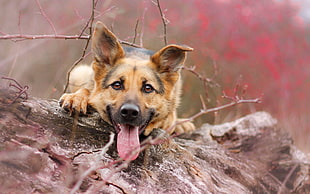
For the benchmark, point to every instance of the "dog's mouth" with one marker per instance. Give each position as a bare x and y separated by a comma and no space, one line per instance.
128,141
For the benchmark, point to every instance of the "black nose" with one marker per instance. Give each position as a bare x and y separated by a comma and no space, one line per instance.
129,112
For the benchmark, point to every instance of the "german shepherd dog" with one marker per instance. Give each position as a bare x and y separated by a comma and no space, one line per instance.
133,89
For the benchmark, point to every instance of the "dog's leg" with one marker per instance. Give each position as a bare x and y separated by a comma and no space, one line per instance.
171,121
80,83
75,102
184,127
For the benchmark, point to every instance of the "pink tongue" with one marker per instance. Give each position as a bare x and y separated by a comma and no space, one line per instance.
128,142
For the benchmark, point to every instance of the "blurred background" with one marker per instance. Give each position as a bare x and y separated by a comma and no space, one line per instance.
263,45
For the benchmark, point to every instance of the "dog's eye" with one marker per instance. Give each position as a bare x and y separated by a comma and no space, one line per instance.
117,85
148,88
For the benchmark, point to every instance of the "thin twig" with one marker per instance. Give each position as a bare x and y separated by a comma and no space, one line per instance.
21,90
89,24
19,37
114,170
19,21
283,185
142,26
91,19
129,43
46,17
93,167
164,21
239,91
136,32
216,109
75,64
195,116
203,103
104,12
206,80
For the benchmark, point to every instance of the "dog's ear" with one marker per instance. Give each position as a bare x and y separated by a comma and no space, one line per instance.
170,58
105,46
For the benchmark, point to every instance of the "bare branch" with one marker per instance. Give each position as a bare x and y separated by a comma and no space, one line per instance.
19,21
91,19
239,91
46,17
22,91
104,12
75,64
93,167
282,187
216,109
136,32
129,43
20,37
203,103
89,24
206,80
142,26
164,21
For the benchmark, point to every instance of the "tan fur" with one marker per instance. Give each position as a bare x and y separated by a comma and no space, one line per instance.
135,70
81,77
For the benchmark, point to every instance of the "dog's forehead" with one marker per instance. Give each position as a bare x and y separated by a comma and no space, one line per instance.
135,67
134,62
131,69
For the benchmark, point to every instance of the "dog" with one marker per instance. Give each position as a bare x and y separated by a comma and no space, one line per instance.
133,89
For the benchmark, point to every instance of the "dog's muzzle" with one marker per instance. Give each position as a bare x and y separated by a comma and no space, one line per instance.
129,123
130,114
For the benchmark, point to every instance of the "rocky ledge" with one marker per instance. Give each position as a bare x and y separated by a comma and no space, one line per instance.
43,150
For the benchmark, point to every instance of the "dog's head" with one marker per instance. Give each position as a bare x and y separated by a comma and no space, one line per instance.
135,89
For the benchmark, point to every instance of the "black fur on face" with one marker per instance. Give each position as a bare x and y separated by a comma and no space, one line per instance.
130,114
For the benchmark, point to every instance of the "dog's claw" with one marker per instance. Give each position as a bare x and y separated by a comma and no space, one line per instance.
61,101
75,102
66,106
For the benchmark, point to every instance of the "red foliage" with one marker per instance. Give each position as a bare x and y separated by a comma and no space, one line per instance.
262,40
265,41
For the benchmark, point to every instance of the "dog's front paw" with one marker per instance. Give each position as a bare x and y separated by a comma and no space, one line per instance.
184,126
75,102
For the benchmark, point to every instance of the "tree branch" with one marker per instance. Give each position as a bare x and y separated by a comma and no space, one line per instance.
46,17
20,37
204,79
164,21
93,167
136,32
88,25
